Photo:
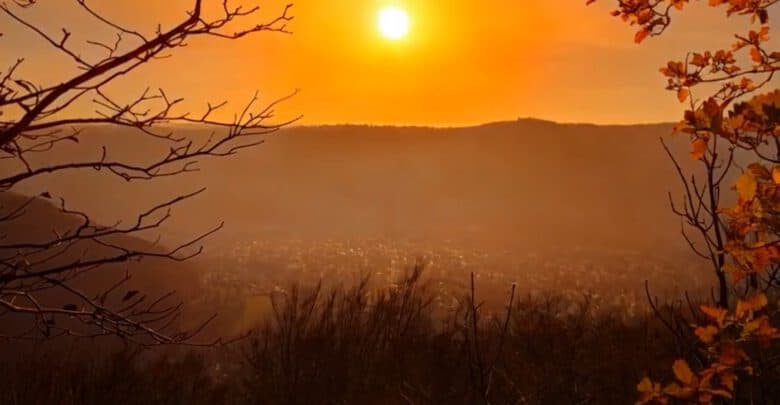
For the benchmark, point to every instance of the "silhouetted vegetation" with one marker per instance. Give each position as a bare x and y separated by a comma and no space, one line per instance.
373,345
40,119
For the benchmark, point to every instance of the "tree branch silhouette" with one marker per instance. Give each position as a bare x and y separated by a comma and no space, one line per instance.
38,118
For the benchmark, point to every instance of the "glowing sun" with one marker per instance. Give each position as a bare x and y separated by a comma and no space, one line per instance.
393,22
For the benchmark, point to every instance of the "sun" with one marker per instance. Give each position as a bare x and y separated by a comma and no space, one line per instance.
393,22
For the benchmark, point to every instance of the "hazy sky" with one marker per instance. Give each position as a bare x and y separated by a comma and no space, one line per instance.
463,62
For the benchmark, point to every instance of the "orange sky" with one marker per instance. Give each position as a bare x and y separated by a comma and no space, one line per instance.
464,61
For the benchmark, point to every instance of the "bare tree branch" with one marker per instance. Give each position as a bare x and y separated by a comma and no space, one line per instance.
36,119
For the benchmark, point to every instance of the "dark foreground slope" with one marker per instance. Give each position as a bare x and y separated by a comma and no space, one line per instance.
357,346
361,346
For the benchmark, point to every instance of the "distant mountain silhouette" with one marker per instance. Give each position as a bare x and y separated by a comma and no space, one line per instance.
520,182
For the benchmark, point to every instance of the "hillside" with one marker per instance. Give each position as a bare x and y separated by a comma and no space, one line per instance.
521,182
41,219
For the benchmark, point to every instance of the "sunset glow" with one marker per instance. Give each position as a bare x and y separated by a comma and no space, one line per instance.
440,63
393,23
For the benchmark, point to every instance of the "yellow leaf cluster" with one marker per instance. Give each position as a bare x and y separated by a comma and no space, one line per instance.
746,186
699,149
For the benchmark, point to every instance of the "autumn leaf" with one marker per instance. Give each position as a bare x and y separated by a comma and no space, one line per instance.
746,187
640,35
737,273
719,392
673,69
764,332
712,108
681,126
644,16
716,314
680,392
763,35
776,174
759,171
706,333
682,94
761,258
701,60
752,304
683,372
752,326
728,379
645,385
699,148
675,390
737,121
649,392
756,55
758,301
731,355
